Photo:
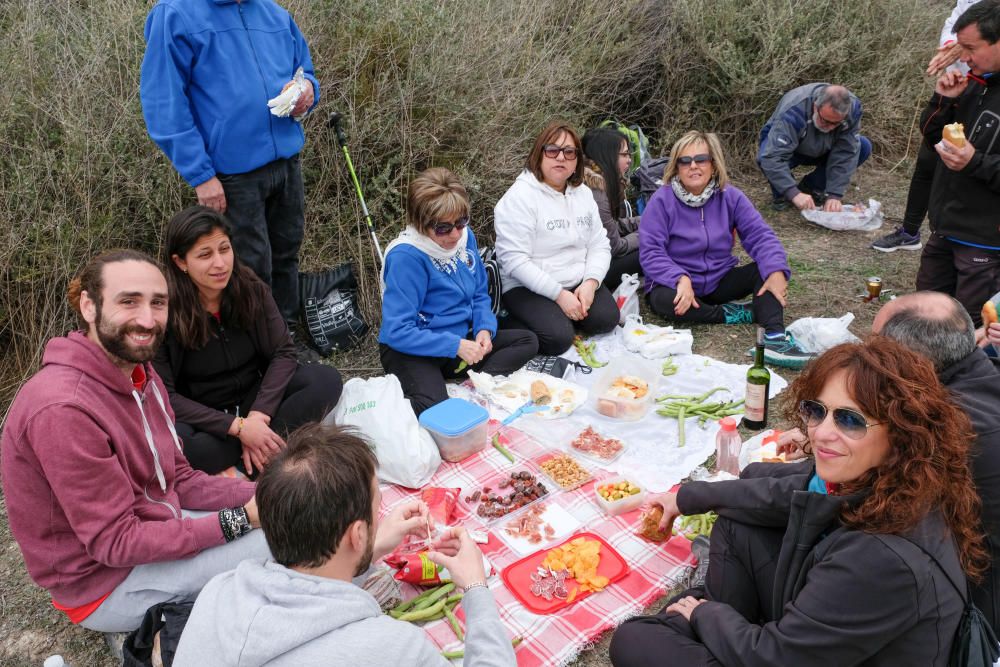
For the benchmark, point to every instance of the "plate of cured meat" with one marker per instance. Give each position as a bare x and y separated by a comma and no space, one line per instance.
536,527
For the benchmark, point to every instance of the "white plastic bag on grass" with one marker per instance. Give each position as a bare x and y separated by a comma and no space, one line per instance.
406,453
851,218
627,296
655,342
819,334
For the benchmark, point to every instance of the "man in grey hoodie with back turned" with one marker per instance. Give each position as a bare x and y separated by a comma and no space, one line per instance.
318,503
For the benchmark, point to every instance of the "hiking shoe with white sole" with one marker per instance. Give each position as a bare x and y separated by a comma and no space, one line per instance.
898,240
738,313
784,352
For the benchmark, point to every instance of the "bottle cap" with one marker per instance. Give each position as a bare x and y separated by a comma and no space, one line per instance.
727,424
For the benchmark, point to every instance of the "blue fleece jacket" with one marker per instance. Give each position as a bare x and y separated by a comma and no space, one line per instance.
210,68
428,307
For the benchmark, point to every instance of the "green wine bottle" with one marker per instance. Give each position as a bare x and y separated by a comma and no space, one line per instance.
758,388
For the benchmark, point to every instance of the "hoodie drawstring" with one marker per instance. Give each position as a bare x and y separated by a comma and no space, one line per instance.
149,434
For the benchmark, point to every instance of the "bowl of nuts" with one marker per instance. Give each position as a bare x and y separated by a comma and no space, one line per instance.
617,495
564,471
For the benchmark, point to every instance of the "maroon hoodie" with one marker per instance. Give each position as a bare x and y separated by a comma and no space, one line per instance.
87,498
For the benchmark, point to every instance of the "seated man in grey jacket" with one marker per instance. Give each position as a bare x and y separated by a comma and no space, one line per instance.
318,502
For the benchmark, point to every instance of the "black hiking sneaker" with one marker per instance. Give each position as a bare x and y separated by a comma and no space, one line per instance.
780,204
818,197
784,352
898,240
738,313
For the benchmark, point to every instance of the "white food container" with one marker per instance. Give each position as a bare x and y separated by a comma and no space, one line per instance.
616,507
610,401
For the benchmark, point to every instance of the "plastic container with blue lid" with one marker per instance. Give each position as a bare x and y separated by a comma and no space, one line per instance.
459,428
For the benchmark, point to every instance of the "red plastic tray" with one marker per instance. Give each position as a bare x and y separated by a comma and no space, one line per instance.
518,575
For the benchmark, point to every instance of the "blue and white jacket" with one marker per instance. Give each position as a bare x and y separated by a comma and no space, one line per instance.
428,306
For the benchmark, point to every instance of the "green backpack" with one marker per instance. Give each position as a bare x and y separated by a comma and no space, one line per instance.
637,142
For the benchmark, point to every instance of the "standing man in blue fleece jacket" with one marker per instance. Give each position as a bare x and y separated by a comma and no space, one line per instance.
210,68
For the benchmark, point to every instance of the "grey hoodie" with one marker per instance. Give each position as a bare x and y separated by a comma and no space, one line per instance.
263,613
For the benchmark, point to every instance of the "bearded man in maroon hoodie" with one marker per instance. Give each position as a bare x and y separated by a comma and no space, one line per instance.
110,517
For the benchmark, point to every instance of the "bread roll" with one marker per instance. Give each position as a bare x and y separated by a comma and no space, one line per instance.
989,314
954,134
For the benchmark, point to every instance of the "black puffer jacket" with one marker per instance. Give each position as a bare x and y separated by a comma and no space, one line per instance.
975,383
842,597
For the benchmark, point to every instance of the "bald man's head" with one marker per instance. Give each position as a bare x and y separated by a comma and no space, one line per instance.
931,323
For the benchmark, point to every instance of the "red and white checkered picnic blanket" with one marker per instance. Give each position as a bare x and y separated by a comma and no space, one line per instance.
557,638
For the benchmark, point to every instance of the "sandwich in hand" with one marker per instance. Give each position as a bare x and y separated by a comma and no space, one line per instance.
954,134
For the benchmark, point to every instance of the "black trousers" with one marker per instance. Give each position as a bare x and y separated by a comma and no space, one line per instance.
423,378
969,274
311,393
738,283
919,195
266,207
627,263
741,569
546,319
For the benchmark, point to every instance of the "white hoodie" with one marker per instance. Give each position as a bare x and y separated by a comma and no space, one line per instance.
548,240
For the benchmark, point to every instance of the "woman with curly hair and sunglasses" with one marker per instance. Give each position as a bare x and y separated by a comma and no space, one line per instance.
686,247
437,322
552,247
859,558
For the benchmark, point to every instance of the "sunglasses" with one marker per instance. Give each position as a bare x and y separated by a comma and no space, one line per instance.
552,151
849,422
445,228
697,159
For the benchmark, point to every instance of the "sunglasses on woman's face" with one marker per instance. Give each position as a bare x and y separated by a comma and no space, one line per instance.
701,158
849,422
445,228
552,151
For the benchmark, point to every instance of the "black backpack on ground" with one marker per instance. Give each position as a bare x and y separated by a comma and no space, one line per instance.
168,619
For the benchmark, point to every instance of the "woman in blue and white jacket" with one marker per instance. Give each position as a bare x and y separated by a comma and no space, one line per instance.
552,247
436,317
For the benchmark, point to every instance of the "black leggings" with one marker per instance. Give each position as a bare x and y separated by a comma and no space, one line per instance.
919,195
741,568
311,393
627,263
738,283
555,331
423,378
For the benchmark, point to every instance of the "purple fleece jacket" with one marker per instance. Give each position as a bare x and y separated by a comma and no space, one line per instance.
679,240
83,496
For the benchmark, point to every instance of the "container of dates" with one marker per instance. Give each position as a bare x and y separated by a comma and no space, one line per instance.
618,495
506,493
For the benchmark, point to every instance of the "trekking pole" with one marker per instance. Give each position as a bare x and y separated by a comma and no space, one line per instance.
334,124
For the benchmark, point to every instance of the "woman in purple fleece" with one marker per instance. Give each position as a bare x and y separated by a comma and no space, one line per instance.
686,250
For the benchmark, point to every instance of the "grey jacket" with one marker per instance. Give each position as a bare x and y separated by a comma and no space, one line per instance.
263,613
790,130
622,230
841,596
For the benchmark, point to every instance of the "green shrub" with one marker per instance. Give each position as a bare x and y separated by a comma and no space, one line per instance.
459,83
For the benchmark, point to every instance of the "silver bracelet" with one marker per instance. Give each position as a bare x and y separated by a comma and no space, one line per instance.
477,584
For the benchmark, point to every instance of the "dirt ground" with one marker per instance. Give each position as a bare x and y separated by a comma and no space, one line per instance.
828,267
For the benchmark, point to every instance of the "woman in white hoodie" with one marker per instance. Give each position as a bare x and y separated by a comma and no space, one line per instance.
552,247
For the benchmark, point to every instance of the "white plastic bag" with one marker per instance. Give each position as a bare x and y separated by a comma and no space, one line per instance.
627,296
655,342
406,453
852,218
819,334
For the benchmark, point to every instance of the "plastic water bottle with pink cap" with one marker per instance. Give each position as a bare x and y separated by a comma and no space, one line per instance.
727,447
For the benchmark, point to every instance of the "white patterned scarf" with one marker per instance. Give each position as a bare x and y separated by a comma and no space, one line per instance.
694,201
446,261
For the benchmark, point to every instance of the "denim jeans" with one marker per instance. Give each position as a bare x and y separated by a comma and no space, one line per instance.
266,207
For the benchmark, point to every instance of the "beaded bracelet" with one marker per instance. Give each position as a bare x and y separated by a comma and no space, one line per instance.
477,584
